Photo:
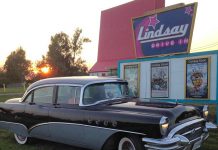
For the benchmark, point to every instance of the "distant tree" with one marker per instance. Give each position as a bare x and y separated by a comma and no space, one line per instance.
77,44
64,54
80,67
3,78
17,66
77,41
59,54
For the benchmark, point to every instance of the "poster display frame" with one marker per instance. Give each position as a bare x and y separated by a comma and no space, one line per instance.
137,82
160,67
187,71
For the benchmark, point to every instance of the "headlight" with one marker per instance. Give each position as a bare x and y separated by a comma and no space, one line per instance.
205,111
164,124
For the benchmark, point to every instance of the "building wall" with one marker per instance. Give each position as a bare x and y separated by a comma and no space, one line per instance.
100,74
116,36
176,73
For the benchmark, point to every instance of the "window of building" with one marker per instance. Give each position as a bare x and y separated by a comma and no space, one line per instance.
113,72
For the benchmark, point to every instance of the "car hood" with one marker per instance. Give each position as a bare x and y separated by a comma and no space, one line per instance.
13,100
171,110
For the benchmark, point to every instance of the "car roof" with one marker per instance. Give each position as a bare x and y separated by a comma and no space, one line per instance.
78,80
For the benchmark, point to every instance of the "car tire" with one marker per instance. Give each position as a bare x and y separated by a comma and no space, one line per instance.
20,139
130,143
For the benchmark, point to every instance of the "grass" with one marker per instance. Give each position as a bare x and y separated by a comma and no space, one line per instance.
211,143
10,93
6,97
7,141
12,90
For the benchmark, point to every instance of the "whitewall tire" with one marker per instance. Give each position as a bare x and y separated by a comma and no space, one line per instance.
126,144
20,139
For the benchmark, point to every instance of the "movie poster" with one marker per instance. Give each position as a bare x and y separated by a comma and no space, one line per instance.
197,78
160,80
131,74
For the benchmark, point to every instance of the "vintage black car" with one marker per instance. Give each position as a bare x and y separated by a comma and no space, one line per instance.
101,113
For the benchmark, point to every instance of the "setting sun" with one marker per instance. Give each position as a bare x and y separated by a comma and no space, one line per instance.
45,70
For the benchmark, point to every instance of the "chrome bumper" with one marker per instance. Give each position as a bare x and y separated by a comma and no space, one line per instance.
178,142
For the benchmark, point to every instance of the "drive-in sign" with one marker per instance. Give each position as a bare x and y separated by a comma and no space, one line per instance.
167,31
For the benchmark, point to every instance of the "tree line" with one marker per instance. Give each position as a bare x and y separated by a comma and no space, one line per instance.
63,58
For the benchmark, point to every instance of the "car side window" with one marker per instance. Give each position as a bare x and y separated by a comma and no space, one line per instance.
67,95
28,98
43,95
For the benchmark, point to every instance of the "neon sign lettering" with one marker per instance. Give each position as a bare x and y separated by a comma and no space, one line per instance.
145,35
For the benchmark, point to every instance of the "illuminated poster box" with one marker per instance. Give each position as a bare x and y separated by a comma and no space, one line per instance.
164,32
197,78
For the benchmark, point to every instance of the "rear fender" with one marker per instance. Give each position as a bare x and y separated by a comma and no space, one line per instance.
17,128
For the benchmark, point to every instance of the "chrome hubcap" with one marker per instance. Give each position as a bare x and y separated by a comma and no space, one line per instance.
126,144
21,138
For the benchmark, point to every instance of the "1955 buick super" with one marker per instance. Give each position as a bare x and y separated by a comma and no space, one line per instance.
100,113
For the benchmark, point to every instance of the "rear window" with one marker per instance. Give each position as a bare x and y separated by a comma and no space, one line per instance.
104,91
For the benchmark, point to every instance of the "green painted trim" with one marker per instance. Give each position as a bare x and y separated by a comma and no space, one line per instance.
169,57
118,69
191,101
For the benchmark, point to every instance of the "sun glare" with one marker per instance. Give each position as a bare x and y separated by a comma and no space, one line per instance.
45,70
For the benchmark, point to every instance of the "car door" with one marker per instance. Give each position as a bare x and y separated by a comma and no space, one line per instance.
37,111
66,117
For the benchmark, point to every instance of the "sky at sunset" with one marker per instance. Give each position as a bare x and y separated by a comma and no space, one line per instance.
31,23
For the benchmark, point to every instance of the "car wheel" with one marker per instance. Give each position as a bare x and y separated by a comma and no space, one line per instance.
130,143
20,139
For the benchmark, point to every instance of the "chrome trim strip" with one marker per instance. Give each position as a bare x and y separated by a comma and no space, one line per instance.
175,141
169,146
205,137
161,141
176,129
162,148
105,100
85,126
46,85
196,129
196,139
210,125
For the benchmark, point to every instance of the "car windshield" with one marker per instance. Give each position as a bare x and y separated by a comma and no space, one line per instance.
96,93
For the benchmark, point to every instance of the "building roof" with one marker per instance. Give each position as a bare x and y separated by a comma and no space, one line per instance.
104,66
116,36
